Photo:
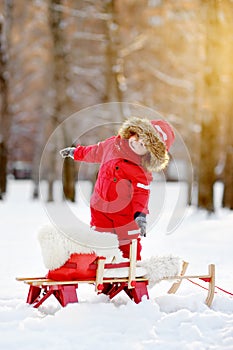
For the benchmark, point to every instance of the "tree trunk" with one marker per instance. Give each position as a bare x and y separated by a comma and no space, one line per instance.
210,114
227,176
3,169
227,201
115,79
207,163
68,176
61,99
5,25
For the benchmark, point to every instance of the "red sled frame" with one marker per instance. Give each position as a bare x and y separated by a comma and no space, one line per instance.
65,292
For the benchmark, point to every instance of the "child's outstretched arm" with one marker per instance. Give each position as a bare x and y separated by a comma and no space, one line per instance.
89,154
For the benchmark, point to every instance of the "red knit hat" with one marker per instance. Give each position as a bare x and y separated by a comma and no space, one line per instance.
165,132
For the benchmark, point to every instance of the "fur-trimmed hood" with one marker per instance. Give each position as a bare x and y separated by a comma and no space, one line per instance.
157,136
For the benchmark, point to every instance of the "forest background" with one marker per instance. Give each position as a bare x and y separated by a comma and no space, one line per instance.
58,57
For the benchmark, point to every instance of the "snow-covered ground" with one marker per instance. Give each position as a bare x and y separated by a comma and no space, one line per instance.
180,321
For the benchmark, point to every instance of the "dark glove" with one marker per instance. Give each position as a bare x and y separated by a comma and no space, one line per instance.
67,152
141,222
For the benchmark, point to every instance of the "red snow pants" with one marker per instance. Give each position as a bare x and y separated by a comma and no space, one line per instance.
121,225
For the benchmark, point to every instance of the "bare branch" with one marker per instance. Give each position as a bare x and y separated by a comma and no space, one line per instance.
167,79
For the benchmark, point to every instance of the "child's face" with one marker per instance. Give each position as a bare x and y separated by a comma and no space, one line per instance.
137,145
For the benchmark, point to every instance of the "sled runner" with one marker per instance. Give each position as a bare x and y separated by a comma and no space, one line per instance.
103,275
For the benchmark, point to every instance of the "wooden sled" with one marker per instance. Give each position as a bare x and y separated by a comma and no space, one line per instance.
65,291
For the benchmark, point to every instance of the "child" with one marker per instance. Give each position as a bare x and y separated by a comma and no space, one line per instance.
119,203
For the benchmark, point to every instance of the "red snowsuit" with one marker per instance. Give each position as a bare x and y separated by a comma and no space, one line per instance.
121,189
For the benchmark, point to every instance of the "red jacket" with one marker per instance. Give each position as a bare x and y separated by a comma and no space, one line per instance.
122,185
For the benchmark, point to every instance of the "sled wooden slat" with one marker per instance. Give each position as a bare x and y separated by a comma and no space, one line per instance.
176,284
99,274
23,279
210,295
124,279
47,282
210,278
178,277
132,266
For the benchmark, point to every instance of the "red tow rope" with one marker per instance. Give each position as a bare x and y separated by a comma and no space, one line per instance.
223,290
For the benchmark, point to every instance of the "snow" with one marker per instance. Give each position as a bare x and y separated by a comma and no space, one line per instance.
167,322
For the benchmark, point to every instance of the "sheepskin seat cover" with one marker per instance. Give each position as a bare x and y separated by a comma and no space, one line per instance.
57,244
69,259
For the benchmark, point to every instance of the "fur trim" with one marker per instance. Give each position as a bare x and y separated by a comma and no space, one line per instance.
56,248
158,267
157,158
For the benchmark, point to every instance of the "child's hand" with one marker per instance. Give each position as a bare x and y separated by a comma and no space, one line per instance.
141,222
67,152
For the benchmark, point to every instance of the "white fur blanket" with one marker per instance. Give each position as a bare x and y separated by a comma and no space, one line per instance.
57,246
159,267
